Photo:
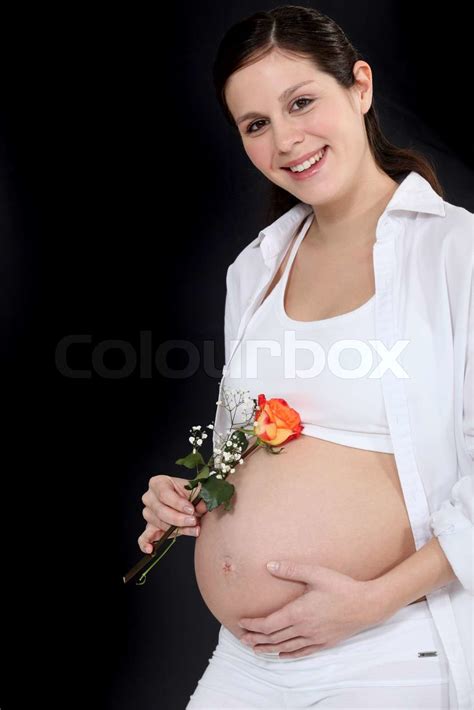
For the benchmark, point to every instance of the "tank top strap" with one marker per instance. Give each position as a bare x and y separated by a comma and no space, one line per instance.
296,244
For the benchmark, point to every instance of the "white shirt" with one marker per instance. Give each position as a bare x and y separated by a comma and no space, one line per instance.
423,260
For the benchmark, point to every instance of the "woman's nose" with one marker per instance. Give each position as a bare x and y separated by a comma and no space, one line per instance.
286,133
286,141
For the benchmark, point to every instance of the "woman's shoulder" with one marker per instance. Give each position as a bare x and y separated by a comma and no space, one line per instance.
448,237
272,240
459,235
459,218
244,274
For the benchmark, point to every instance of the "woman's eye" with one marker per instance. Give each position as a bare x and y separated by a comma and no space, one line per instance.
249,128
296,101
255,123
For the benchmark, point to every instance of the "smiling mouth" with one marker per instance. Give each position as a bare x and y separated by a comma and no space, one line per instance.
312,163
312,171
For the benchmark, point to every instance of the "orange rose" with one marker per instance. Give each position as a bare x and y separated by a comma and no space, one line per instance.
276,422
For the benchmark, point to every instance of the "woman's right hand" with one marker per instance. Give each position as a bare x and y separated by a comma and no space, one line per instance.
165,502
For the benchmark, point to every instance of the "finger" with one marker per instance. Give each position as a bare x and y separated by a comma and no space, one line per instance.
281,636
200,508
171,493
308,651
278,621
295,644
152,533
149,535
169,506
169,518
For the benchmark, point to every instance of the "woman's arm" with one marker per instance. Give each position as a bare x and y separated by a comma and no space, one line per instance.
423,572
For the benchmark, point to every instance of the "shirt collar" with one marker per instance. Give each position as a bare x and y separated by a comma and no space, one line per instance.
414,194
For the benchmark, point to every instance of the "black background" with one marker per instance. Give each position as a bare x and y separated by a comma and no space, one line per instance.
123,198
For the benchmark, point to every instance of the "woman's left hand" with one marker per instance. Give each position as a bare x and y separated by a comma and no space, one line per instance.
333,607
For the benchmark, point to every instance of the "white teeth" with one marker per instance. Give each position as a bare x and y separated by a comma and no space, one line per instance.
308,163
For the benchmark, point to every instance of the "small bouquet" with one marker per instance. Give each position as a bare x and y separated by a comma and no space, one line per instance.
272,422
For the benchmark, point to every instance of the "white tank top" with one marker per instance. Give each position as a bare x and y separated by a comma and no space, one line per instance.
314,368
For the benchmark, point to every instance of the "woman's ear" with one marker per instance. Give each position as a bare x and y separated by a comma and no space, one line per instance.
363,84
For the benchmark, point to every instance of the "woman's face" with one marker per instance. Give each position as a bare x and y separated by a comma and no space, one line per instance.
320,113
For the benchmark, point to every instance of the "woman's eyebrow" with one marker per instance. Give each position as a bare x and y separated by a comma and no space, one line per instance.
285,95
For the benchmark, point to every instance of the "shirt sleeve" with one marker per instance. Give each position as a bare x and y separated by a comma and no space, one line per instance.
453,522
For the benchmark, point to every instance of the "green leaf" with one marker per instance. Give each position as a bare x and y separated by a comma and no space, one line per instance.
215,491
194,482
203,473
191,460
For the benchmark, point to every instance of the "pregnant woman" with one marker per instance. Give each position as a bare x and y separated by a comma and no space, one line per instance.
341,306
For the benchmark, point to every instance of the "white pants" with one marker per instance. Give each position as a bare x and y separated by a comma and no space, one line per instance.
376,668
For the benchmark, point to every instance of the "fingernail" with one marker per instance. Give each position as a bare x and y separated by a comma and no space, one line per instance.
188,509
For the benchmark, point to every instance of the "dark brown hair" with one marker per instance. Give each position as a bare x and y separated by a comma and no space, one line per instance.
308,32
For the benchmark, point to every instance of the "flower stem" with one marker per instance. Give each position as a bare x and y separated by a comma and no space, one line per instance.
142,579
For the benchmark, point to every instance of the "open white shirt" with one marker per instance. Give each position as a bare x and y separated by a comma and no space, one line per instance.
423,260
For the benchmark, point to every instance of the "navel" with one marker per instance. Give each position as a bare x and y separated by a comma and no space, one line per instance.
228,565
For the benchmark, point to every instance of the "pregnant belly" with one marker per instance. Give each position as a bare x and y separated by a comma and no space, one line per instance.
315,502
